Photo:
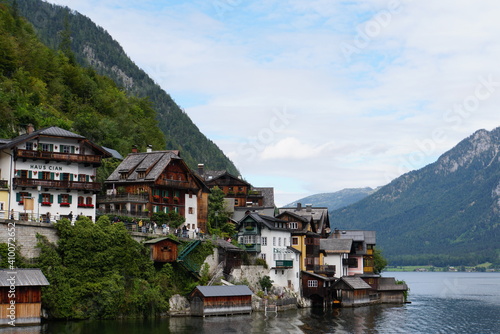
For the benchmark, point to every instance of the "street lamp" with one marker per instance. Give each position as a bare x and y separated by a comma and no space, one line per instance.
39,188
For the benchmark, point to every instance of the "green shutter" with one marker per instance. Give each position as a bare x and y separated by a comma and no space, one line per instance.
87,178
52,175
59,198
40,175
30,174
70,199
39,198
18,197
51,147
72,149
51,198
71,176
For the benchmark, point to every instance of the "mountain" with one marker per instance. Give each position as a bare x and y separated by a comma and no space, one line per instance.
443,214
335,200
94,47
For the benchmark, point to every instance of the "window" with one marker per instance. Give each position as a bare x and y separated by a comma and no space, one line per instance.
29,146
279,241
45,199
293,225
264,241
88,201
45,175
141,175
295,241
284,242
66,149
81,178
46,147
312,284
23,174
274,241
191,210
64,176
263,256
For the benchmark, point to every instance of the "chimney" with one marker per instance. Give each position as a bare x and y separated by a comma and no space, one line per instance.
149,149
336,233
30,128
299,206
134,149
308,207
201,169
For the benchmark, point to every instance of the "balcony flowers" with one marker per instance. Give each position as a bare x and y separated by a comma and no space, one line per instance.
64,204
46,203
83,205
156,198
20,202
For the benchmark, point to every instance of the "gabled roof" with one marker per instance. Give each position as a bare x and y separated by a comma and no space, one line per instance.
52,131
321,277
223,291
266,221
220,177
23,277
157,240
354,282
318,216
335,246
152,162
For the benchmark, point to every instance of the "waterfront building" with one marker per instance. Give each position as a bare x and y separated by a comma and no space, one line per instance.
24,286
269,238
221,300
49,174
156,181
163,249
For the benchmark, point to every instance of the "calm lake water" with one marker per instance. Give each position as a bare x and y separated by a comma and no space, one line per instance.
441,303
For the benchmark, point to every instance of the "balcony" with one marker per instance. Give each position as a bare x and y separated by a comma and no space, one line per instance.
179,184
4,185
57,156
283,264
324,270
252,247
123,198
54,184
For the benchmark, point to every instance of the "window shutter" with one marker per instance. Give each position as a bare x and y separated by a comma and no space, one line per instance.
52,176
30,174
59,198
51,147
40,175
70,199
51,198
71,176
72,149
18,197
87,178
40,198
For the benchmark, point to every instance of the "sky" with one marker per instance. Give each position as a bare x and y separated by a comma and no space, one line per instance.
316,96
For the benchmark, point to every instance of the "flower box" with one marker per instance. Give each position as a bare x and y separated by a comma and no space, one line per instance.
46,204
20,203
64,204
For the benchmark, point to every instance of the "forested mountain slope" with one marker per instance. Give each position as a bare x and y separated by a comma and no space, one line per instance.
94,47
443,214
45,88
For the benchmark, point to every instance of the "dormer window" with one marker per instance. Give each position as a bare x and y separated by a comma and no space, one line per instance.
141,175
123,176
46,147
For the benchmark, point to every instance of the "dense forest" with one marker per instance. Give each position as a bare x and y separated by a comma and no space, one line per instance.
93,47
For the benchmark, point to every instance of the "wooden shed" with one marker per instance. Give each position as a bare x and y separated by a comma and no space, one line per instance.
391,292
352,291
163,249
21,296
221,300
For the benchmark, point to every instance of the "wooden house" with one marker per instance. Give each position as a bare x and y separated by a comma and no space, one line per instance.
386,289
352,291
21,296
221,300
318,288
156,181
163,249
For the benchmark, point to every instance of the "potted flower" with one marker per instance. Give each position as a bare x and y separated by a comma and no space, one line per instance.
64,204
46,204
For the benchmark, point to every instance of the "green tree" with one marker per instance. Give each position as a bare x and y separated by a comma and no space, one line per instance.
219,222
379,261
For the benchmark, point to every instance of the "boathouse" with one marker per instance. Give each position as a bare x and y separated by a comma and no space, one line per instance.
221,300
352,291
21,296
163,249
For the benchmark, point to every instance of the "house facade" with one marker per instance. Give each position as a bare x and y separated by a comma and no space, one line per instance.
269,238
49,174
156,181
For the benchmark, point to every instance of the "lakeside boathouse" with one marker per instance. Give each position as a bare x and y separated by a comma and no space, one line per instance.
221,300
21,296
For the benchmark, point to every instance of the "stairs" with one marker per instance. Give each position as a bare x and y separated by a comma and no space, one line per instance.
182,258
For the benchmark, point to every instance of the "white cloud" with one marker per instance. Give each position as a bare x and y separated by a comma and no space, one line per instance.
233,67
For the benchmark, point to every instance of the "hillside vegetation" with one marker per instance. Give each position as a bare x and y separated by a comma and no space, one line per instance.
447,213
45,88
93,47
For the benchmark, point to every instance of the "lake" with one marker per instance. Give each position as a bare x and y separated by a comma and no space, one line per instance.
441,302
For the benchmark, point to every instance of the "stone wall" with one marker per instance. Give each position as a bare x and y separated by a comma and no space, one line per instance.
250,274
26,231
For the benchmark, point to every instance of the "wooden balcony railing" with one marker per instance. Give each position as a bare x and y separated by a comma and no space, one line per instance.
123,198
69,157
328,270
54,184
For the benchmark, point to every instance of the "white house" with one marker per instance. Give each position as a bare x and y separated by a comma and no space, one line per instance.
51,173
336,253
269,238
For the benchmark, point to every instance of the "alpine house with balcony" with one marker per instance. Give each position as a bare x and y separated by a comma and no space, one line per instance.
50,174
269,238
156,181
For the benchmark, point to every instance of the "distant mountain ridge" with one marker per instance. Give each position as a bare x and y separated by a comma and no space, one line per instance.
94,47
336,200
445,213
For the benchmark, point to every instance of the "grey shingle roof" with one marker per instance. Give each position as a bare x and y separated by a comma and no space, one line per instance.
23,277
389,284
216,291
155,162
268,195
335,245
267,221
355,282
156,240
